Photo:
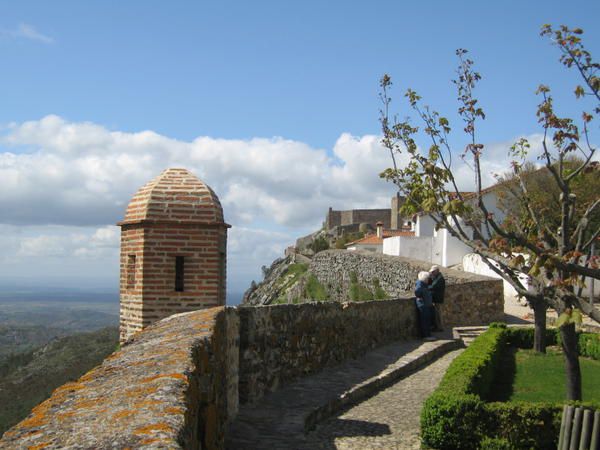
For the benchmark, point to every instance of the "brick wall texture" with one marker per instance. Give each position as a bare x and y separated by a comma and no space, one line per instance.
174,215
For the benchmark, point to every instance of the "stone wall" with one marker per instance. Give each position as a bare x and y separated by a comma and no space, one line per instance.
173,386
470,299
357,216
371,216
281,343
178,382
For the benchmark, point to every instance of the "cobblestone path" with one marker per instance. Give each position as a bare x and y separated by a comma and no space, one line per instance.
281,419
388,420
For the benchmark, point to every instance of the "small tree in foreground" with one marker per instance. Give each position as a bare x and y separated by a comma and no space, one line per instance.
556,258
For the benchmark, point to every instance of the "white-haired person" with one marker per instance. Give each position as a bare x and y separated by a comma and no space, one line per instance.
424,305
437,286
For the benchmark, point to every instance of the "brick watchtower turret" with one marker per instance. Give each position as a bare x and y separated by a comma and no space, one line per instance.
173,251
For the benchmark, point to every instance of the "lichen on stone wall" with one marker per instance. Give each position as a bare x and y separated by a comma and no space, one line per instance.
179,381
168,388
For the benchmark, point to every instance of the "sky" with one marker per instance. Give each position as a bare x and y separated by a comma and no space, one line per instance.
273,104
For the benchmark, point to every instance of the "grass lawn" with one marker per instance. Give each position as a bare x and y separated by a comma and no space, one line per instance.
541,378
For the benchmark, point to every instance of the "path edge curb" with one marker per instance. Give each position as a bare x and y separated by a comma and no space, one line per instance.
377,383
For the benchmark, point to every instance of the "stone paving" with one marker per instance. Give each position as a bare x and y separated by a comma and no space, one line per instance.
283,419
389,420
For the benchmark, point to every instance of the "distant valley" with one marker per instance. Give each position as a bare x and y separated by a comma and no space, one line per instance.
48,338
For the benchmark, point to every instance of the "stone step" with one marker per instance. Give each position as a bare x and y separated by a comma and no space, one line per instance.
468,334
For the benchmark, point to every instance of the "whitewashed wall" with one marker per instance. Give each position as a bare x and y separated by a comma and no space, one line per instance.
474,263
375,248
409,247
454,250
437,248
424,226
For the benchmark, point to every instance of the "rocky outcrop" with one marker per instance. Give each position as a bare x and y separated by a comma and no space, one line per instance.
271,287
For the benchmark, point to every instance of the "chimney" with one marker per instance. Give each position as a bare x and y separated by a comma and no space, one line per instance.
379,226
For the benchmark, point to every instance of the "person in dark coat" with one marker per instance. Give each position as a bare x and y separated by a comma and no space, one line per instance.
424,305
437,286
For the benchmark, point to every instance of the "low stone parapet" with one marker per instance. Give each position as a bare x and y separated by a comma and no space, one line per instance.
173,386
281,343
178,382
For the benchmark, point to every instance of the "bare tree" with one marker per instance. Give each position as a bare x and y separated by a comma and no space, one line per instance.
557,260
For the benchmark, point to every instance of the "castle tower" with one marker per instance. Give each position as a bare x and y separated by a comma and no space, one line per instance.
396,219
173,251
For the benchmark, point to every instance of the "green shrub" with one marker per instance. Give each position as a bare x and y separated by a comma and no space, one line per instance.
522,337
379,294
357,291
456,416
314,290
453,417
525,425
473,371
589,345
452,421
488,443
319,244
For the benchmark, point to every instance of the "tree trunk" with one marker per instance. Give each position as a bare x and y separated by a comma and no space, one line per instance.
539,317
569,346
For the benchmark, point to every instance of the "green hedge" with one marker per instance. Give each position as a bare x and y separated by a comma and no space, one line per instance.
522,337
589,345
473,372
456,415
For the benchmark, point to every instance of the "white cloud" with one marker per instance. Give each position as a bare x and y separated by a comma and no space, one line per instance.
65,184
43,245
61,241
26,31
83,174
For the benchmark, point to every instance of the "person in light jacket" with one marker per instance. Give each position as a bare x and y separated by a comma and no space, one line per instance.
424,305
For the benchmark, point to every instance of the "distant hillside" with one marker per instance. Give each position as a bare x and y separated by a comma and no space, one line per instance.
28,378
75,320
26,325
16,339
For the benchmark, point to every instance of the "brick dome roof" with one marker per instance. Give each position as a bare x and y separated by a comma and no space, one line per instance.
176,195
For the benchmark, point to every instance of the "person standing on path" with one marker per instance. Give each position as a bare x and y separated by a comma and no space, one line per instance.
424,305
437,288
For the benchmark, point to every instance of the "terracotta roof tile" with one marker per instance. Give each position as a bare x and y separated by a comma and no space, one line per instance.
372,239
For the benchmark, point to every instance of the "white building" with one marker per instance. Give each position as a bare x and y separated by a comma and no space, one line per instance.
441,248
375,242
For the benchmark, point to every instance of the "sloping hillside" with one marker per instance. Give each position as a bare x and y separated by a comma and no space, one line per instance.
28,378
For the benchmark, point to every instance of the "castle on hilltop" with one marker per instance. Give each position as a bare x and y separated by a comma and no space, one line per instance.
390,217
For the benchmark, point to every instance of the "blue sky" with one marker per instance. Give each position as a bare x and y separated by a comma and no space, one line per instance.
269,102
